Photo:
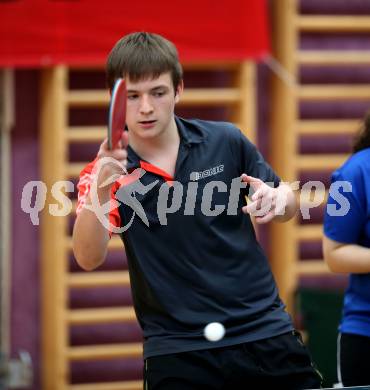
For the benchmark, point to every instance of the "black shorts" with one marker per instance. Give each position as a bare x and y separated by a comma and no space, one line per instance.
354,364
277,362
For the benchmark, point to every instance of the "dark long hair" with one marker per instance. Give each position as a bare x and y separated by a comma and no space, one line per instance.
362,140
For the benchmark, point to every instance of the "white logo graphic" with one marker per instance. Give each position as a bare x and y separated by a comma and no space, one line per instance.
208,172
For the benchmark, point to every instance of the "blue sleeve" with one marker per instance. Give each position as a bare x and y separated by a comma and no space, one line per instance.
345,213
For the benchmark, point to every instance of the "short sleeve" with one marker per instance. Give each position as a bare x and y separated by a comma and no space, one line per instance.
345,212
84,186
253,163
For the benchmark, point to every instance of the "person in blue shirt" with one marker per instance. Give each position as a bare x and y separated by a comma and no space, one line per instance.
346,247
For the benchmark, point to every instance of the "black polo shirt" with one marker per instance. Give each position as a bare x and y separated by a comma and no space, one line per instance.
198,264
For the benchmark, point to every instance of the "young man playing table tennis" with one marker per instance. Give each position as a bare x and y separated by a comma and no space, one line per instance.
193,257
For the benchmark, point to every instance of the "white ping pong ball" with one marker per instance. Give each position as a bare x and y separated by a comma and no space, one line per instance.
214,331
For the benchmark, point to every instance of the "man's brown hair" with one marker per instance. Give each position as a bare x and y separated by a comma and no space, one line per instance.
142,55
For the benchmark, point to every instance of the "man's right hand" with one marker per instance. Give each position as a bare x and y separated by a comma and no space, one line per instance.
112,170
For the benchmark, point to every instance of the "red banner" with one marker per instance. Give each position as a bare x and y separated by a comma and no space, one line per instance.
48,32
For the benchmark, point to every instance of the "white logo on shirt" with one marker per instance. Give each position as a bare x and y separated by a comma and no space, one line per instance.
206,173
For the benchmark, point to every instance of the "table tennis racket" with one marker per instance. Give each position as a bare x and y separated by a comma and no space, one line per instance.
117,113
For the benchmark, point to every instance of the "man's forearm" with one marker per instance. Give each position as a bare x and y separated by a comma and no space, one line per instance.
90,238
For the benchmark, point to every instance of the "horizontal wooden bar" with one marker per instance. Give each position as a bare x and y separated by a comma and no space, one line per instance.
312,267
196,96
126,385
101,315
115,243
73,170
331,24
210,96
105,351
87,98
98,279
310,232
333,57
334,92
80,134
317,162
328,126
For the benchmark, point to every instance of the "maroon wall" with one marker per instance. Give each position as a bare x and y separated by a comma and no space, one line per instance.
25,255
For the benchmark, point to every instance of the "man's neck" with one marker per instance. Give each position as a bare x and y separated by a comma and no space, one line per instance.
166,142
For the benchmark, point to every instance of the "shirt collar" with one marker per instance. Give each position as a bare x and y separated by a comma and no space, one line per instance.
190,132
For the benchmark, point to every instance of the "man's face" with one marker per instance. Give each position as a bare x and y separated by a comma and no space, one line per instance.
150,105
